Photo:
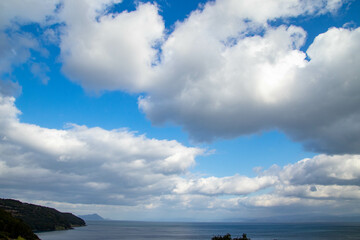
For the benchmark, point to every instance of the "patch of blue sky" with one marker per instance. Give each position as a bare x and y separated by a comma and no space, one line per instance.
60,101
171,10
347,15
244,154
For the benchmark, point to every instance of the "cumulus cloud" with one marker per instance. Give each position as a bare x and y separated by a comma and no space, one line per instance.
120,46
239,185
322,176
113,51
313,180
93,168
234,91
323,184
87,161
222,83
325,170
223,72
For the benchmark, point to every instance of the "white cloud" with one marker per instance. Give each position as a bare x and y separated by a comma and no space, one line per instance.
325,170
238,185
223,72
87,161
271,200
325,184
110,52
96,169
25,11
231,90
323,179
220,88
320,192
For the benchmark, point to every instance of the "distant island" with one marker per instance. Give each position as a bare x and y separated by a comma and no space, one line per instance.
16,215
92,217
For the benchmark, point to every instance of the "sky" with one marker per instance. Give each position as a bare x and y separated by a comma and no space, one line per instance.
226,110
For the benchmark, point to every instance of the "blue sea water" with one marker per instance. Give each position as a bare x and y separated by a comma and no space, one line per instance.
114,230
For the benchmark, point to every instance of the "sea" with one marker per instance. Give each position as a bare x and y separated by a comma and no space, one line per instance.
114,230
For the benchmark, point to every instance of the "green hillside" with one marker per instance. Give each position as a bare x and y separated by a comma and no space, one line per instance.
40,218
13,228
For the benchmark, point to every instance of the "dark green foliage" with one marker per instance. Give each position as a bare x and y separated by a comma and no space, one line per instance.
41,218
228,237
13,228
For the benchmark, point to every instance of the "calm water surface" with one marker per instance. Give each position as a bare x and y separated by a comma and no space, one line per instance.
111,230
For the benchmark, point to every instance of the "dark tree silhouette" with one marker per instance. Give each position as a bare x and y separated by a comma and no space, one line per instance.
228,237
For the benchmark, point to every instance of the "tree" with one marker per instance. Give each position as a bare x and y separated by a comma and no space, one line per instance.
228,237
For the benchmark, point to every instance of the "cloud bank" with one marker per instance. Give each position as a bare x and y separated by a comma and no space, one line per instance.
89,168
254,77
82,160
223,72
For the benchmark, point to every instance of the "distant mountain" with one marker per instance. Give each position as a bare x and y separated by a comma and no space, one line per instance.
40,218
92,217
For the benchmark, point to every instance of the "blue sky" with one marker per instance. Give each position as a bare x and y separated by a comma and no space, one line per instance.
164,109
